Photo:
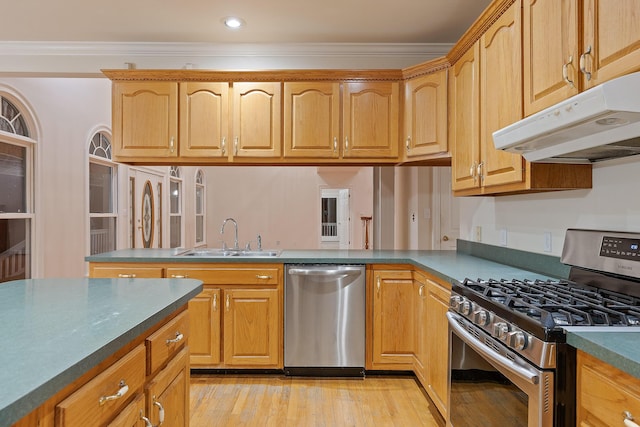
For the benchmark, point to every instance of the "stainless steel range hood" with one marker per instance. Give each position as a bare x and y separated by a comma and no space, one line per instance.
598,124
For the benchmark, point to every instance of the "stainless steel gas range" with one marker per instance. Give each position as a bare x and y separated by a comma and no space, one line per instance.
509,362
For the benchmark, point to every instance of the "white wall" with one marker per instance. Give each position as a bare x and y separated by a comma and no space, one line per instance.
612,204
282,204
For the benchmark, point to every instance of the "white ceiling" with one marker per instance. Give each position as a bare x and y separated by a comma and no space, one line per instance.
36,27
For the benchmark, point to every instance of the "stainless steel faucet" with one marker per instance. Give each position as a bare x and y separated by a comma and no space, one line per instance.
235,244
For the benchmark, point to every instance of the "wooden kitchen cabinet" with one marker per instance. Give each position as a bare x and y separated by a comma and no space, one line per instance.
565,40
218,122
604,394
432,338
393,327
256,120
251,327
486,92
437,304
126,271
204,120
425,115
312,120
237,320
168,392
145,120
205,327
371,120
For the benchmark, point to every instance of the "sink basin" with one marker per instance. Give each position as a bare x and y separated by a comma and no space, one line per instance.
215,253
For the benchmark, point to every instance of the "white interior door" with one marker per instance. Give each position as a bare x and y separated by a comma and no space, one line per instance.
146,208
446,228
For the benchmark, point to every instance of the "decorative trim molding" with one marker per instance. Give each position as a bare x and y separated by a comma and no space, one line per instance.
90,57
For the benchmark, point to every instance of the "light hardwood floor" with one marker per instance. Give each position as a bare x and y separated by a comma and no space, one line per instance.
274,400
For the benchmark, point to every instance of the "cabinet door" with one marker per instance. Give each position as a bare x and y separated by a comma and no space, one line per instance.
393,319
465,122
256,119
425,115
251,327
437,304
501,100
612,31
204,124
131,415
550,52
371,120
604,393
145,120
311,120
169,392
421,367
204,339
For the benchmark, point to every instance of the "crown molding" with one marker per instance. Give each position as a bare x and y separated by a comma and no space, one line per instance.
90,57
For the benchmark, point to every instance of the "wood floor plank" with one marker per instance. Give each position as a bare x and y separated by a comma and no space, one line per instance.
279,401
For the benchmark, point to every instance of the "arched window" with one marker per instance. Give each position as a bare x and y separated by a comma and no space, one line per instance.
102,195
175,208
16,198
200,207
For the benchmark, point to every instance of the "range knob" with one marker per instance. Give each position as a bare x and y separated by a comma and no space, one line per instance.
482,317
455,301
466,307
500,330
517,340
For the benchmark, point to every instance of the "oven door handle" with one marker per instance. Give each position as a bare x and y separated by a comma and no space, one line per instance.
505,363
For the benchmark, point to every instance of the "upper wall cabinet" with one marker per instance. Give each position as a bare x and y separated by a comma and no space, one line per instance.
315,129
312,120
217,122
370,119
486,92
145,120
425,116
556,66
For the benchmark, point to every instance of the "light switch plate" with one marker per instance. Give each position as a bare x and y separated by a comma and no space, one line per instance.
547,241
503,237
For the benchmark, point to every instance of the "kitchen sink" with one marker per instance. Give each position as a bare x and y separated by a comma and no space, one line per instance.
215,253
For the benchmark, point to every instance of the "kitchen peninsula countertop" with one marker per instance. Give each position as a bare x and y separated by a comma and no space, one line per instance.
471,260
55,330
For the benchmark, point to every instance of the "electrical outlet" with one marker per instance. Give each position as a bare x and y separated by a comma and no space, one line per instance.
478,233
547,241
503,237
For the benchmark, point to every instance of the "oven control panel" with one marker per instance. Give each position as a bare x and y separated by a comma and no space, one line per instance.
620,248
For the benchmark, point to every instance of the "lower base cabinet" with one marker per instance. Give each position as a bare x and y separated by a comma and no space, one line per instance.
147,377
605,394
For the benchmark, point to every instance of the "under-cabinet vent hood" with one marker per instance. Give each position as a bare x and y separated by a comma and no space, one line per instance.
598,124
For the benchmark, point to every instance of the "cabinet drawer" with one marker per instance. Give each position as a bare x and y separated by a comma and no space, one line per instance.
126,272
167,341
268,275
84,407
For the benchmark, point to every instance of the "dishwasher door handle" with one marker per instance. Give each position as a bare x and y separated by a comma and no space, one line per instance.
348,271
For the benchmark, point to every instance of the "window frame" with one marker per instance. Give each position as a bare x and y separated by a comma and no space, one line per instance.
200,182
175,176
108,162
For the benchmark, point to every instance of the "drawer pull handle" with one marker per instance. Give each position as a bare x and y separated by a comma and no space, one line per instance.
228,301
583,67
628,419
421,290
263,277
378,284
127,276
215,302
565,72
124,388
179,276
178,338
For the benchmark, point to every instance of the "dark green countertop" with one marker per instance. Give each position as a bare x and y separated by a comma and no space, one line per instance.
619,347
55,330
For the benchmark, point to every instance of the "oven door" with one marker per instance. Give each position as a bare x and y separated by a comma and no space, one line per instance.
489,385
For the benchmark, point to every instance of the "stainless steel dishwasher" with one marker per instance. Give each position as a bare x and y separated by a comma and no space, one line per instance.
324,318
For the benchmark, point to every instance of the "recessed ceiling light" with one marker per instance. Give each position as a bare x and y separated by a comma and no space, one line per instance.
233,22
